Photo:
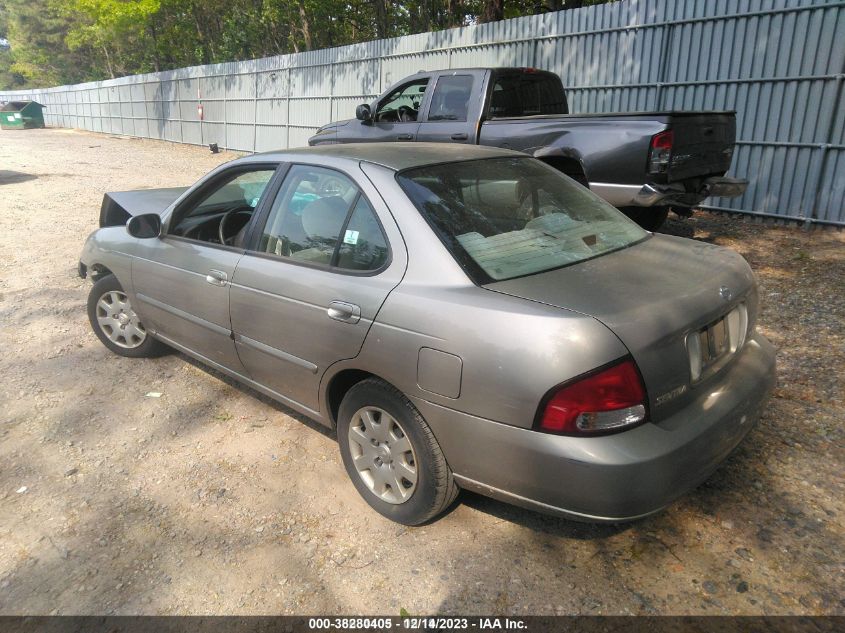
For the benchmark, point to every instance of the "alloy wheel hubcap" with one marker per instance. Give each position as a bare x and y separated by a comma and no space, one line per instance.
118,320
383,455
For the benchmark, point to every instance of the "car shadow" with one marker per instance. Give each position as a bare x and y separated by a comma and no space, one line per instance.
270,402
12,177
678,226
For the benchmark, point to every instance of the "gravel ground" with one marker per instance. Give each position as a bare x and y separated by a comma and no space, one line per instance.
211,499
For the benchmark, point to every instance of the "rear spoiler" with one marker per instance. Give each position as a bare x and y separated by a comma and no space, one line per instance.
119,206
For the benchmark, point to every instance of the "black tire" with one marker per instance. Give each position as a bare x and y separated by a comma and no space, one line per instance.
650,218
435,487
147,348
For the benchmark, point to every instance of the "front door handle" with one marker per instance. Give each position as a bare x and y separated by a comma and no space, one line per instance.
345,312
216,277
460,136
405,137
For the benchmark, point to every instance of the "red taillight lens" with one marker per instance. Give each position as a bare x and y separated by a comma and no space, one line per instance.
661,152
609,400
663,140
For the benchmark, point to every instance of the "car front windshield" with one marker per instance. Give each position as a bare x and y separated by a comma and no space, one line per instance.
509,217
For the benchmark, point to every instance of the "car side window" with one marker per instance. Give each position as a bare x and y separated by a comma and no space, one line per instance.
450,101
403,104
235,196
363,246
320,217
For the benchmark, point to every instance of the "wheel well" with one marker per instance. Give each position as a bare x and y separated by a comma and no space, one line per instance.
339,386
569,166
98,271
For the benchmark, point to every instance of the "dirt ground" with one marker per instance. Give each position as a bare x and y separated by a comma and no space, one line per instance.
211,499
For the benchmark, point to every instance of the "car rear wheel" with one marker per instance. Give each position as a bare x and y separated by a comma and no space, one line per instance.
116,324
392,456
650,218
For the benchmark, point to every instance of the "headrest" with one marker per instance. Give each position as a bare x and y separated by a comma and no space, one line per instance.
323,218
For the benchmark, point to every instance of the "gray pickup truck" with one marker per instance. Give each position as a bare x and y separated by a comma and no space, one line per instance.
644,163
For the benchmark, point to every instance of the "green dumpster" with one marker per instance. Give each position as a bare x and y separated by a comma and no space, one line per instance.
17,115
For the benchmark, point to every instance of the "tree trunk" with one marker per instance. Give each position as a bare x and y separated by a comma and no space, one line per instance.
306,27
421,18
292,38
108,60
202,39
455,9
154,34
381,19
494,10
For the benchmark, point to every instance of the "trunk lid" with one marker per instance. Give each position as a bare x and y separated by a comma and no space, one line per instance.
651,295
703,144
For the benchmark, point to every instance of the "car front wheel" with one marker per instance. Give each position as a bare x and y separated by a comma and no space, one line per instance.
115,322
392,456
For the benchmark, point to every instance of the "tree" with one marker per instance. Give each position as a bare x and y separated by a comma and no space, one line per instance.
68,41
39,53
114,27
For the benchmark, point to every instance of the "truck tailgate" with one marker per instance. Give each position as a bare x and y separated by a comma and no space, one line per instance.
703,144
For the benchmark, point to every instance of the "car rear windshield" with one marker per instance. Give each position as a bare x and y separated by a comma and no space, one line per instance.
509,217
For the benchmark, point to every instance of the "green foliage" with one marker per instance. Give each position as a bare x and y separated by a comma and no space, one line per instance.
68,41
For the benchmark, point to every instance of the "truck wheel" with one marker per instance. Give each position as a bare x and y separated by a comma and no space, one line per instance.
391,454
650,218
115,323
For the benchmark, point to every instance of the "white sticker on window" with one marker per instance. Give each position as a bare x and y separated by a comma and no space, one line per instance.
351,237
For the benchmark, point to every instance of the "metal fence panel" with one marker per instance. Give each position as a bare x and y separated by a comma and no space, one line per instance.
779,63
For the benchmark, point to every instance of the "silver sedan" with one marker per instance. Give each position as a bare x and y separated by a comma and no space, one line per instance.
464,317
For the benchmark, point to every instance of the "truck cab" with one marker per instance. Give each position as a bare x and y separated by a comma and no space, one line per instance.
644,163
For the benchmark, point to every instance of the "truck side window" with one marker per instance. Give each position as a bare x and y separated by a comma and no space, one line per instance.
527,94
403,104
450,101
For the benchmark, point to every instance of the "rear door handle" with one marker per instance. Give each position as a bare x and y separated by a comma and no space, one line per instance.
405,137
460,136
345,312
216,277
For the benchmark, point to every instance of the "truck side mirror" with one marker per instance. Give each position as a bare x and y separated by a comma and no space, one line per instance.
144,226
363,113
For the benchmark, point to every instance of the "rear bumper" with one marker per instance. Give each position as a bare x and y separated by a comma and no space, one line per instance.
676,194
617,477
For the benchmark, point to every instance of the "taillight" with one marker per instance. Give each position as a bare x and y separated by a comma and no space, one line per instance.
609,400
661,152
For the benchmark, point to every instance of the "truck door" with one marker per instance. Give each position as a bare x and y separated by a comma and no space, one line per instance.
454,108
395,116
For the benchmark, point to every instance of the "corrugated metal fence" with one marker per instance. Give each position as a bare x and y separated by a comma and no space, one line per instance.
779,63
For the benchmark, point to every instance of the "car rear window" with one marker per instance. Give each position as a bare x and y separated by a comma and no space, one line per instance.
509,217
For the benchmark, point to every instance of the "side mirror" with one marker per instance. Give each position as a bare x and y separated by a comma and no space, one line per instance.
363,113
144,226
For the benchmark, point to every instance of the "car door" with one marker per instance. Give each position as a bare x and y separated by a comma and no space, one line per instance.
181,281
395,116
315,275
454,108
